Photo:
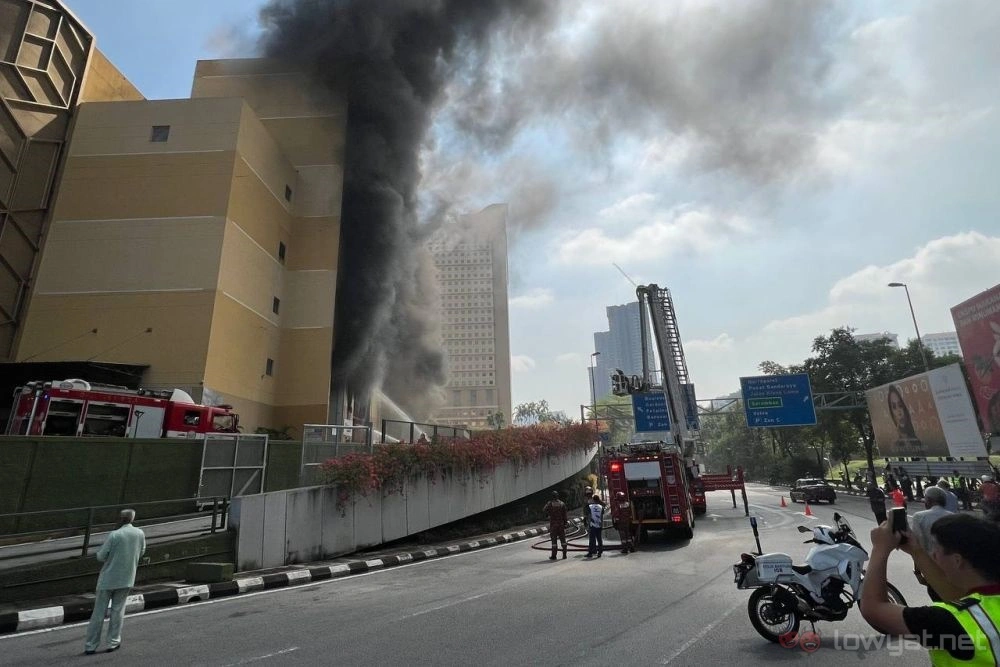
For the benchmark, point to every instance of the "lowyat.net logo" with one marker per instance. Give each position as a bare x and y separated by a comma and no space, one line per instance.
808,641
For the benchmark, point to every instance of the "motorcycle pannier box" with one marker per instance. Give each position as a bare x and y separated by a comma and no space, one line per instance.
762,570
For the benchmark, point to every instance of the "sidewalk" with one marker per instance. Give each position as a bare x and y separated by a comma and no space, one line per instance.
35,614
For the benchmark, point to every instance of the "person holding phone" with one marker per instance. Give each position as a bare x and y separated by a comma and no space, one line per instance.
964,569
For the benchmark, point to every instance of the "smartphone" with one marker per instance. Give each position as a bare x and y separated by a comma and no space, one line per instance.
899,524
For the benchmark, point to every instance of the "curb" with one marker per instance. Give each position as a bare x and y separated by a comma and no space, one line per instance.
47,617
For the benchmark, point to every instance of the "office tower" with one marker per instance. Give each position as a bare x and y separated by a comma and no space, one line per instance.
470,257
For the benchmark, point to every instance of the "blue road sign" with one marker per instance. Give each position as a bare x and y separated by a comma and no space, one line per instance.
778,400
650,411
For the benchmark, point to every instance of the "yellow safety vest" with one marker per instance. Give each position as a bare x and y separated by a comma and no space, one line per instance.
980,618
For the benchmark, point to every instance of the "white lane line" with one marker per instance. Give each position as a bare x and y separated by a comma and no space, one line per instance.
273,591
698,637
445,605
263,657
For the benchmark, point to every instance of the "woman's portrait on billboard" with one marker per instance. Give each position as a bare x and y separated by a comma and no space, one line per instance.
906,436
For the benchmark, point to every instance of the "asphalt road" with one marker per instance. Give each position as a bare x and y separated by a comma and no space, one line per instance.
671,603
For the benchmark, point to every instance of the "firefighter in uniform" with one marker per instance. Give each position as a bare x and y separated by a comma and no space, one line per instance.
622,521
558,518
964,569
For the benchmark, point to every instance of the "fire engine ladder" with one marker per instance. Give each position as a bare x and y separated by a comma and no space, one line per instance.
671,352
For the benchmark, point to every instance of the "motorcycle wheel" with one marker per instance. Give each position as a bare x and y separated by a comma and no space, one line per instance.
770,624
894,596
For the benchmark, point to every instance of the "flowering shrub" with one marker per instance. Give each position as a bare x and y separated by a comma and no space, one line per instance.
388,468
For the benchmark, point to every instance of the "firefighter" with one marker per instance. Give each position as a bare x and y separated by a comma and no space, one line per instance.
595,524
622,521
558,518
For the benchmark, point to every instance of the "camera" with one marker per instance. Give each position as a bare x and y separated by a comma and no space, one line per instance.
899,523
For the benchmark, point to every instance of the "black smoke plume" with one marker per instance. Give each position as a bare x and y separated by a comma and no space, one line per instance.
393,58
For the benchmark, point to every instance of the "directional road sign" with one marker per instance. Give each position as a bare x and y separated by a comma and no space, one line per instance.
778,400
650,411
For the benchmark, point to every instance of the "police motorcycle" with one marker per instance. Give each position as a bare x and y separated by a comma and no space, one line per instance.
823,589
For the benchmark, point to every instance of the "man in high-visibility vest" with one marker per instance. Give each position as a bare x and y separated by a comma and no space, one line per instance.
962,629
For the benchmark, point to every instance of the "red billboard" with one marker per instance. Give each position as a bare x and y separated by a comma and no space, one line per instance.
977,322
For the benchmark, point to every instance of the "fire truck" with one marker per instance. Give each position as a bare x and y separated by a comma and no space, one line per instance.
656,484
80,408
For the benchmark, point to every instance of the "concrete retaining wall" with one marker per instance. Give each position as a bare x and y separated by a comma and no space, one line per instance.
302,525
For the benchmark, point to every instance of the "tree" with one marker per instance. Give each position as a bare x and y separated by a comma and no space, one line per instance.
527,414
496,419
844,364
614,416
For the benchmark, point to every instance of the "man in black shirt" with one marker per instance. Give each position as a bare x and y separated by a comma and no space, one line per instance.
964,570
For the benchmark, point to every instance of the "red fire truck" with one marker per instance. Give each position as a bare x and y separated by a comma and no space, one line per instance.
79,408
655,481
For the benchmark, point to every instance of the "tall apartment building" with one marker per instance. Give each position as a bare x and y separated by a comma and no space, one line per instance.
470,257
872,337
198,239
620,347
942,344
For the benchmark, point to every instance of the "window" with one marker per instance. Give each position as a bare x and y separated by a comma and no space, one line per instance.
288,193
275,305
281,252
269,368
160,133
473,397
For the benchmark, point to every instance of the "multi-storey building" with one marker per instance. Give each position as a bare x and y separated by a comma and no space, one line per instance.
198,239
872,337
942,344
470,257
620,347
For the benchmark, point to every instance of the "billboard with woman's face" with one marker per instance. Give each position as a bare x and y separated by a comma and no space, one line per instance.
929,414
977,322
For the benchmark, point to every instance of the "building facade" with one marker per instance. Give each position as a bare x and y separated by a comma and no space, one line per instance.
620,347
942,344
200,237
872,337
48,66
470,259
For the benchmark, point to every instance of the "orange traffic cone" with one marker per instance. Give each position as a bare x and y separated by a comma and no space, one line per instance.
808,511
783,504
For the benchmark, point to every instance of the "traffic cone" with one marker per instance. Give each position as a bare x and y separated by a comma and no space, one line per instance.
783,503
808,511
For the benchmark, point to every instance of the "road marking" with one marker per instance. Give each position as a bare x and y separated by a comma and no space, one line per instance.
263,657
698,637
445,605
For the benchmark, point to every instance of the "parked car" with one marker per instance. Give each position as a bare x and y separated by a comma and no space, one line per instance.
811,490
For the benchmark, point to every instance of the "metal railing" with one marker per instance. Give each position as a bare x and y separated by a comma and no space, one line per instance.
94,523
396,430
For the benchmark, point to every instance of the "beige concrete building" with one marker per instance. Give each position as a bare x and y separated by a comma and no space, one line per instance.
471,261
200,237
48,65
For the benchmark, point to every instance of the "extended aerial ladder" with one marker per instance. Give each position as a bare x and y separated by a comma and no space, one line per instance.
675,384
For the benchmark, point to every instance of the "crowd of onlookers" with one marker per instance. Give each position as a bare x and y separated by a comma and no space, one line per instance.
963,492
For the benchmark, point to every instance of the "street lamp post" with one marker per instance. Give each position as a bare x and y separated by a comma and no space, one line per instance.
920,342
593,391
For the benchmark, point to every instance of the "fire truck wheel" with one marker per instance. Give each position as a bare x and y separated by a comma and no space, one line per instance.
687,531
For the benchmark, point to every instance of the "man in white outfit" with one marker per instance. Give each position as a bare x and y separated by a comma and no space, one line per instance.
120,554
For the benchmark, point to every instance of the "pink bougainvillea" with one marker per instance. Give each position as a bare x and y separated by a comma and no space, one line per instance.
388,468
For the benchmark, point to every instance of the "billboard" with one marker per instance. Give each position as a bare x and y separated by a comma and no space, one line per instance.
977,323
929,414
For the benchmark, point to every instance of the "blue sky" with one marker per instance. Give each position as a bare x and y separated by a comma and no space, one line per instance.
774,164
